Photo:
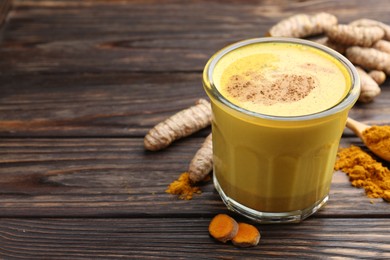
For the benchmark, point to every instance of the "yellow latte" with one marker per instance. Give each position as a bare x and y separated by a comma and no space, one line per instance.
282,79
279,110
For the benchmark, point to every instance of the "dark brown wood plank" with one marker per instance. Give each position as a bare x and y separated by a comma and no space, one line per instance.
114,104
5,6
162,238
91,104
101,36
116,177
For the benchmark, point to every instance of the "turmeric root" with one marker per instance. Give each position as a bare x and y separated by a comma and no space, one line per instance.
382,45
199,168
223,228
202,163
179,125
328,43
354,35
303,25
369,22
378,75
369,58
369,88
321,21
247,236
295,26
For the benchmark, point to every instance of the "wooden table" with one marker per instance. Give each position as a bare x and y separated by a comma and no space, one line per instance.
81,82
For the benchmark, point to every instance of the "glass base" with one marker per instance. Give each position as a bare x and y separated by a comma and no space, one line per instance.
269,217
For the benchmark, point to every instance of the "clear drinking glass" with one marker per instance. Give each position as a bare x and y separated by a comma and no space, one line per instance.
275,169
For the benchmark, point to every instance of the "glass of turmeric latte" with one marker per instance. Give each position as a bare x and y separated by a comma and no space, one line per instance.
279,109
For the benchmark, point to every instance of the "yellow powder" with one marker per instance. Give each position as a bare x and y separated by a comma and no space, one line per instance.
364,172
378,137
183,187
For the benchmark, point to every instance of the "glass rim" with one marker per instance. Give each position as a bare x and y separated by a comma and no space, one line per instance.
350,98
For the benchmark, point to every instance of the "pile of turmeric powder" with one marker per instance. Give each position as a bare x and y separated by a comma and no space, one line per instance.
378,139
183,187
364,172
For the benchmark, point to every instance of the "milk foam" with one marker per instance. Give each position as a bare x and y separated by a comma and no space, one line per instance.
281,79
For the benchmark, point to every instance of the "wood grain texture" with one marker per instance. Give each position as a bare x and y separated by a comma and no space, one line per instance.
93,105
161,238
146,36
117,177
81,82
111,104
5,6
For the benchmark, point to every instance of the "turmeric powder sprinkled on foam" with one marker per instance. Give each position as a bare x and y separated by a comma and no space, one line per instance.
183,187
364,172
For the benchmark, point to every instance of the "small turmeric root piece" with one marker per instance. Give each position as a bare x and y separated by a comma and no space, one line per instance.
179,125
369,22
369,88
247,236
223,228
378,76
202,163
382,45
369,58
303,25
354,35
